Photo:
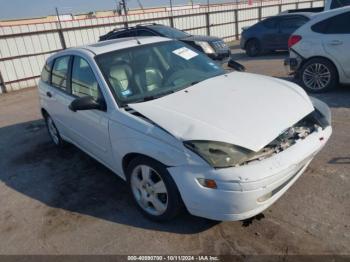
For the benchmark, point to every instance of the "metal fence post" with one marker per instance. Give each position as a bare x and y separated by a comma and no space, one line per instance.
2,84
236,25
60,32
207,18
260,11
126,22
207,21
171,17
312,4
171,20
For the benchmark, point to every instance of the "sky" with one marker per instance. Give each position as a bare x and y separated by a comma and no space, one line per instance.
17,9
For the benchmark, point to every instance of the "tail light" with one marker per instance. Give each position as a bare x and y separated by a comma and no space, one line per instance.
293,40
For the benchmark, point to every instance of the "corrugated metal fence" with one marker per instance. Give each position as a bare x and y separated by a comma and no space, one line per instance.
24,48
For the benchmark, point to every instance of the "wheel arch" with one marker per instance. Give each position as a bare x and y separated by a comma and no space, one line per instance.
126,160
251,39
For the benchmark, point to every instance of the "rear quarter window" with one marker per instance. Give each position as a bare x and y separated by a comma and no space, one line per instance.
46,73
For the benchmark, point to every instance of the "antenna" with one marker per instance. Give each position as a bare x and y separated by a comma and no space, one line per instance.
136,39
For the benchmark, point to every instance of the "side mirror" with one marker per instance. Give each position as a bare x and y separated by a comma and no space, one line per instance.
235,65
87,103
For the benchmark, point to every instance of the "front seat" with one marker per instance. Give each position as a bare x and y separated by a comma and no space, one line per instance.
147,78
120,75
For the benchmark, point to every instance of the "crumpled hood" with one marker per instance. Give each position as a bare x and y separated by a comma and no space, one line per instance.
243,109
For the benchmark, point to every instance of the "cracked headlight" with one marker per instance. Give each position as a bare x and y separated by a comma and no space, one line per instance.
219,154
207,48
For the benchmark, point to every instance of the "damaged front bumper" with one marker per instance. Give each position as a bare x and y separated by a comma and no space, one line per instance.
247,190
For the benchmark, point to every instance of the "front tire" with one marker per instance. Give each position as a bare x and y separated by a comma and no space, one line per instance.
253,48
318,75
153,189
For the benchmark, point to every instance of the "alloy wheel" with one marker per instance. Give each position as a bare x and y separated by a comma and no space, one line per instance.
316,76
149,190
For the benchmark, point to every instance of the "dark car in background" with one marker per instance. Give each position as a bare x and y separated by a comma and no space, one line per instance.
212,46
272,33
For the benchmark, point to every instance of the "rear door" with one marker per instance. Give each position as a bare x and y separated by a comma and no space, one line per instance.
287,25
58,94
336,39
268,31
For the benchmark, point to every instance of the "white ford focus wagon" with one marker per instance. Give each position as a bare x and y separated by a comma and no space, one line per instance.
179,129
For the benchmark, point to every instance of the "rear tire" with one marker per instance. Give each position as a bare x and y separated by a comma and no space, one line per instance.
253,48
53,131
318,75
153,189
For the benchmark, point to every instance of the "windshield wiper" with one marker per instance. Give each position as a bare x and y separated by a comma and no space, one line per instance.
194,83
148,98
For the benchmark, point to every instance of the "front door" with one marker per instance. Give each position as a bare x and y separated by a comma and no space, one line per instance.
89,128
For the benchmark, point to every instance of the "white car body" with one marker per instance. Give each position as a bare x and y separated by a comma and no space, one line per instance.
333,47
238,108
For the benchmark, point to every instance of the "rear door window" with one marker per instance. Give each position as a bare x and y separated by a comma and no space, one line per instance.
339,3
126,33
60,73
335,25
270,23
291,24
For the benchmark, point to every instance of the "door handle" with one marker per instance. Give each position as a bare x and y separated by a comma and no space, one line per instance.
336,42
48,94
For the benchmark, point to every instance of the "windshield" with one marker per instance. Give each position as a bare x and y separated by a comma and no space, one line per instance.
169,31
148,72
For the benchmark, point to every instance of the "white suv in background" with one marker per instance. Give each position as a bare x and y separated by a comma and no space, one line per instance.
319,51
